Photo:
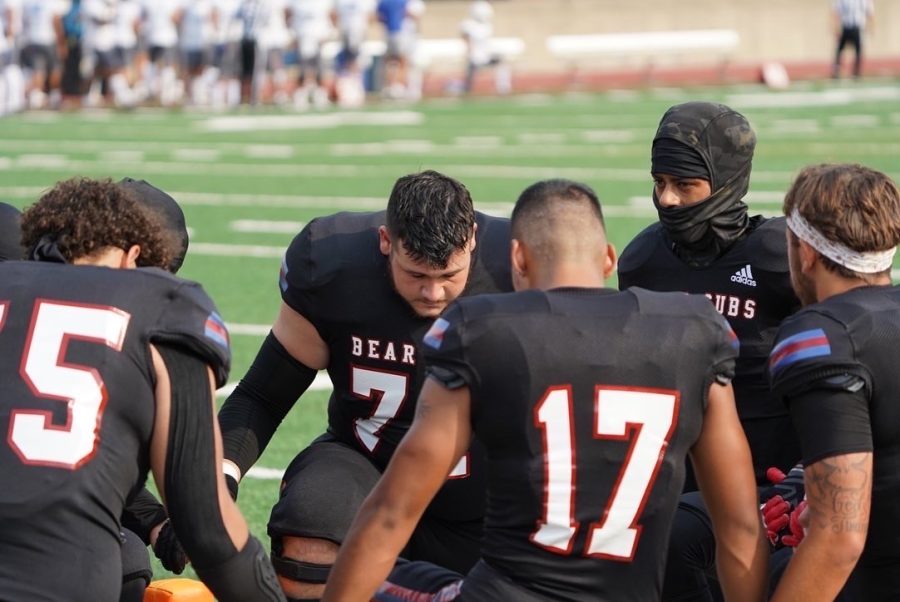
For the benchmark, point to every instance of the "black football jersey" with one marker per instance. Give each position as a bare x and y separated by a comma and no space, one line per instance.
587,402
854,333
335,275
750,285
77,408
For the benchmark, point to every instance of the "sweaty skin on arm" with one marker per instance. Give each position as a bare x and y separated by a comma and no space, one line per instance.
439,436
300,338
839,496
724,470
235,524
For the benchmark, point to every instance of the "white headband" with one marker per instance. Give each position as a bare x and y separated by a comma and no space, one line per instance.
864,263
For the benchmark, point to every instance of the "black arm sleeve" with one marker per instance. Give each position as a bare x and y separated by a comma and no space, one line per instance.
832,418
262,399
192,492
142,513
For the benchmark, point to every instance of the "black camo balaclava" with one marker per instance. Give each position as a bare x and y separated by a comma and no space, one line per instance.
723,140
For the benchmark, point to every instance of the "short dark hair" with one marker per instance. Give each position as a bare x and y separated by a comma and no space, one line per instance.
540,193
432,215
850,204
554,218
82,216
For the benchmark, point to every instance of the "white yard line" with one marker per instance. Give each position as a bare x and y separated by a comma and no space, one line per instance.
223,250
813,98
256,123
320,383
248,329
266,226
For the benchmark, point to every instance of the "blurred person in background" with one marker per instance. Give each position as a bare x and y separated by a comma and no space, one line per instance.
273,44
311,23
851,19
128,55
160,36
351,18
40,57
99,63
196,24
477,30
70,35
392,14
12,81
222,77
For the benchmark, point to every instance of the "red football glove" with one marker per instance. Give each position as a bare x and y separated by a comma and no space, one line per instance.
797,533
776,516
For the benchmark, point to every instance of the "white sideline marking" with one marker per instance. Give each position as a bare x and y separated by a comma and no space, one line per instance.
279,200
266,226
795,126
396,147
223,250
541,138
812,98
255,123
320,383
121,155
269,151
608,136
478,141
866,121
196,154
248,329
265,474
36,160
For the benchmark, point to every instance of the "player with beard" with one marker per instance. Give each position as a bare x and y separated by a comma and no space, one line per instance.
587,407
705,242
834,365
359,290
106,372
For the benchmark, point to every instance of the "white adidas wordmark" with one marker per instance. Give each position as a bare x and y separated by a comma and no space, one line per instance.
744,276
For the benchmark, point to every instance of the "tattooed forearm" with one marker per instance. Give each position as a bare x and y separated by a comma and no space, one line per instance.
839,491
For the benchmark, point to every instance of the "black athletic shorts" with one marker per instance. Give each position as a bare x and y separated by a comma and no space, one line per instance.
324,487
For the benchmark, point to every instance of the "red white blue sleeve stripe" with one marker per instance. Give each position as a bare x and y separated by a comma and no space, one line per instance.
215,330
801,346
435,335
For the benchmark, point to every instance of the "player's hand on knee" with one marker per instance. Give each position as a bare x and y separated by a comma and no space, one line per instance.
169,550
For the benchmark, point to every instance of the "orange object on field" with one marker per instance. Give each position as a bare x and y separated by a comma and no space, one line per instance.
177,590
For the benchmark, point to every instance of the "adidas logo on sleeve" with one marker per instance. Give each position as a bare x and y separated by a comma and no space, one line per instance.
744,276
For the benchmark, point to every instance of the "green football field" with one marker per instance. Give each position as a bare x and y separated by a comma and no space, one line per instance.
249,180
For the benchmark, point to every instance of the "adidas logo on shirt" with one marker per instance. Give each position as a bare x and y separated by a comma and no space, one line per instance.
744,276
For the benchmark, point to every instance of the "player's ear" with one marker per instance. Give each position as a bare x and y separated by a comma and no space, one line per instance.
610,261
130,257
384,240
472,240
808,256
519,262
